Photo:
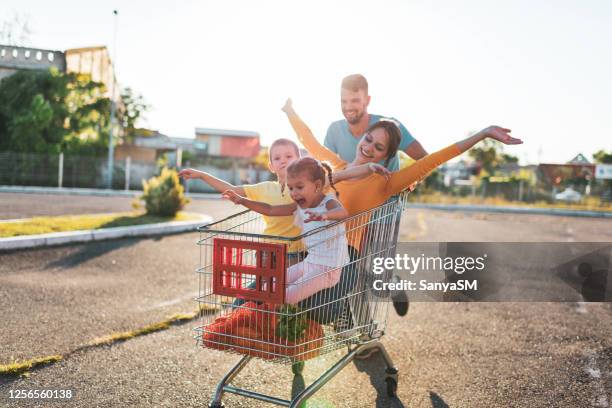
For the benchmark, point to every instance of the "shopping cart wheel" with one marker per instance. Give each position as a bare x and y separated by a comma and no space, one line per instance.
216,405
391,380
297,368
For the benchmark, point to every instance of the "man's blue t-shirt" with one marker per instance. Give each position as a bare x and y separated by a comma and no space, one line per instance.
341,141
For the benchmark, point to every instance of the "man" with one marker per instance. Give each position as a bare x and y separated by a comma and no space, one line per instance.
343,136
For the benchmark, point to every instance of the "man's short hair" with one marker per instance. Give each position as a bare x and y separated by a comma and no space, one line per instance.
355,82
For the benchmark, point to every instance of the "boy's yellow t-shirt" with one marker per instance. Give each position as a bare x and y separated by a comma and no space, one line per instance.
270,192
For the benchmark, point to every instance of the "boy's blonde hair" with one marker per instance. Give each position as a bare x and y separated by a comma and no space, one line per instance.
283,142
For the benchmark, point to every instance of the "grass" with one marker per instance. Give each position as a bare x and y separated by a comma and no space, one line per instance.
18,368
43,225
587,204
151,328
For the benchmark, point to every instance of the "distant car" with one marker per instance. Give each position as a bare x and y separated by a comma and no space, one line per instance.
569,195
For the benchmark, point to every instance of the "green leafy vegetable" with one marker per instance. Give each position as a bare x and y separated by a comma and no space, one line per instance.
292,324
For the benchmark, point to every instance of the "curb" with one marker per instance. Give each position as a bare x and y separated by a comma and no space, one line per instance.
513,210
91,192
70,237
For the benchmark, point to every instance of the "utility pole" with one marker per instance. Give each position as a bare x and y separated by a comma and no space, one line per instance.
113,104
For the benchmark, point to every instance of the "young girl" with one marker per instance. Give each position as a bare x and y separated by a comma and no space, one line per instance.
327,249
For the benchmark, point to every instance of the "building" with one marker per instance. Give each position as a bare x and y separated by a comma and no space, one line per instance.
226,143
578,170
146,149
208,143
13,59
94,61
458,173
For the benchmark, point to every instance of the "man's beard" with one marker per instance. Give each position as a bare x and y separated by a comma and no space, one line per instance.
355,119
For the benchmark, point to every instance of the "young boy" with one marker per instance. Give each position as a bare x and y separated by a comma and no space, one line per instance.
282,153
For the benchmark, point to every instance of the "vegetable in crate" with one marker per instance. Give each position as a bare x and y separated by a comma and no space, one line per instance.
292,323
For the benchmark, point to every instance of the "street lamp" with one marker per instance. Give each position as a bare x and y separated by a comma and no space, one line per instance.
113,105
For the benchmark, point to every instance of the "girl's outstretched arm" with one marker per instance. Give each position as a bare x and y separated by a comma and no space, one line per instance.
258,206
316,149
360,171
211,180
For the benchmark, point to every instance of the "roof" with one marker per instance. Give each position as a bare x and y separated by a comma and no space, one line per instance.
182,141
11,47
225,132
155,142
85,49
579,159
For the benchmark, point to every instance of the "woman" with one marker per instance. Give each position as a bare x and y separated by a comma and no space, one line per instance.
380,143
369,190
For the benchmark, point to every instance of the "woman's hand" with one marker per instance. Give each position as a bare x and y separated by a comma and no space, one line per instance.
500,134
187,174
379,169
232,196
314,216
288,107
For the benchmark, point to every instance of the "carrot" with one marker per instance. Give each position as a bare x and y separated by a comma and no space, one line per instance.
214,334
255,334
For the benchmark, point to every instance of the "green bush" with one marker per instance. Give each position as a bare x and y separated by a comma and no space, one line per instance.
163,195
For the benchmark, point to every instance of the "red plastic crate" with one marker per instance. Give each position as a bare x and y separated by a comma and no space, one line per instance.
236,264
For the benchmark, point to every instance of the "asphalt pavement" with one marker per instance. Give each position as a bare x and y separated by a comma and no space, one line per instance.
449,354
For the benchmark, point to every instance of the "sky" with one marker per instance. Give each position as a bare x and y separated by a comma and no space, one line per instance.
443,68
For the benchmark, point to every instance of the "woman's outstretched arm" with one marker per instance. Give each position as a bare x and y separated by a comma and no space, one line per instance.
402,179
316,149
492,132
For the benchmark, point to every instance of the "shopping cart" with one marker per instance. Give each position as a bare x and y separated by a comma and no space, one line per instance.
242,275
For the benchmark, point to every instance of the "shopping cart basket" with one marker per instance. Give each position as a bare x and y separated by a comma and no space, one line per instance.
242,275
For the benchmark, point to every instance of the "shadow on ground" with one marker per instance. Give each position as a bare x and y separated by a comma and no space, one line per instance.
374,367
90,251
436,401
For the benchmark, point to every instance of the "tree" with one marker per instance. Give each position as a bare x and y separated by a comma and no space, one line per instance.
15,31
486,155
490,155
49,112
134,109
603,157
